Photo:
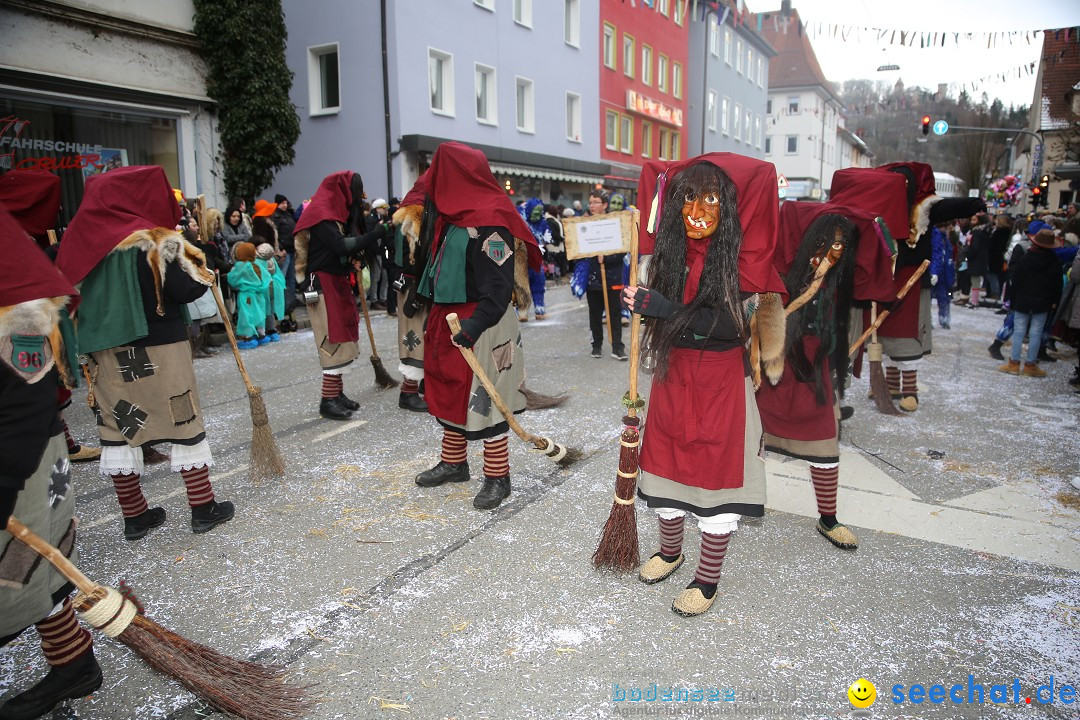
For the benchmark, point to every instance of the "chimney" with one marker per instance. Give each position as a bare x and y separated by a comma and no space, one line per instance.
785,8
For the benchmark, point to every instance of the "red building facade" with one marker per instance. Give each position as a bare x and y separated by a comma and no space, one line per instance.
643,85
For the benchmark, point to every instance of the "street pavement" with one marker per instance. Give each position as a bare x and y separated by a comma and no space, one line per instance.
397,601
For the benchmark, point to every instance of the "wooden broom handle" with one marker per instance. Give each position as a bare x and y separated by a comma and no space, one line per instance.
470,357
635,318
232,338
881,318
607,303
52,554
367,318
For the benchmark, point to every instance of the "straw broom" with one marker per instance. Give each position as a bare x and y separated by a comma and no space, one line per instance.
562,455
618,546
245,689
881,318
382,377
266,460
540,401
879,386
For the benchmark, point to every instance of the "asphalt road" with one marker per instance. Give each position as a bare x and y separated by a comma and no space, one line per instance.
397,601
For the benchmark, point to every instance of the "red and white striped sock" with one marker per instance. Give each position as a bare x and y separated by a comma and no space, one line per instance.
892,378
497,457
713,548
454,447
671,535
409,387
825,482
910,383
197,483
72,445
332,385
129,493
63,640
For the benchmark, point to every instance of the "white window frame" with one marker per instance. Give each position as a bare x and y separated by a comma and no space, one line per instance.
608,49
680,13
573,117
768,145
315,55
675,140
665,139
676,80
662,64
447,81
611,130
629,53
626,134
760,72
665,7
646,139
787,145
523,14
737,134
646,64
572,23
727,46
748,122
529,109
749,63
757,131
798,100
725,116
712,109
491,83
486,4
738,56
714,37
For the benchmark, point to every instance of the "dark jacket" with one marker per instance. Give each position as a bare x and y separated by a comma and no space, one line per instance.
1036,281
285,224
979,252
613,272
999,243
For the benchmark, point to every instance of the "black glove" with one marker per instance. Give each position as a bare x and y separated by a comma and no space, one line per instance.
651,303
412,303
8,498
470,333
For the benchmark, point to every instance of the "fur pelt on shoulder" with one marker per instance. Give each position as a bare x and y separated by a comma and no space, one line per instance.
522,293
920,219
163,246
768,330
215,220
408,218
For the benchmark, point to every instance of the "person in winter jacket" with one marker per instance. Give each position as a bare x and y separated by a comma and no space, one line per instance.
942,273
978,257
613,273
1034,293
252,285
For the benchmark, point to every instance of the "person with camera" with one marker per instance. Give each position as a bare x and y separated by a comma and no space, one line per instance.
329,237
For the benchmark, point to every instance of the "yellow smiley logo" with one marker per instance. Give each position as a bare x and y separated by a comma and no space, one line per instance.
862,693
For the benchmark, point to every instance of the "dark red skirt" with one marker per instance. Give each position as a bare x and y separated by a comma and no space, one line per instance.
790,410
447,377
695,425
342,318
903,321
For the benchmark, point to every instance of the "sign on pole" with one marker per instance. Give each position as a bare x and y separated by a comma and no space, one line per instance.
594,235
941,127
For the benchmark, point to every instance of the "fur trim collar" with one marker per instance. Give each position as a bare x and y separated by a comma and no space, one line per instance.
33,317
920,219
163,246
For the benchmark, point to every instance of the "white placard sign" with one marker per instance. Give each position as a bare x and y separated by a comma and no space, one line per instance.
601,235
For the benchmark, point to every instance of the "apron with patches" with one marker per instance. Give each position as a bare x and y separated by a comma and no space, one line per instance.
147,395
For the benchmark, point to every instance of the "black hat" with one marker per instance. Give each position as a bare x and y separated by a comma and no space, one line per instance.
278,199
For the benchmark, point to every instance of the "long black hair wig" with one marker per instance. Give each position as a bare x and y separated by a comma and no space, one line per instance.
829,314
719,285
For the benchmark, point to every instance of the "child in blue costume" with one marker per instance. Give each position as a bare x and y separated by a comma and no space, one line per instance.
251,284
275,293
533,214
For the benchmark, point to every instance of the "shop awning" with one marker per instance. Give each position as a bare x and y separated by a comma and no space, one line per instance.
498,168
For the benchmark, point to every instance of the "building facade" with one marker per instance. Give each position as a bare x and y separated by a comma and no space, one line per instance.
729,92
803,113
89,86
512,78
642,86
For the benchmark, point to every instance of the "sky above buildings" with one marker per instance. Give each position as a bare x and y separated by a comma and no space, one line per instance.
1001,70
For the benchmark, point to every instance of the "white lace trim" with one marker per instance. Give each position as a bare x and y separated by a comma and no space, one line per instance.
411,373
189,457
336,371
120,459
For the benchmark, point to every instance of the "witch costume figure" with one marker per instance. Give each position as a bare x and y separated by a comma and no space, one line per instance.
800,412
328,238
471,227
137,274
714,229
411,257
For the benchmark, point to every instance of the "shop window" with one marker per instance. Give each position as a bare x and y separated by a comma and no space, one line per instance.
324,91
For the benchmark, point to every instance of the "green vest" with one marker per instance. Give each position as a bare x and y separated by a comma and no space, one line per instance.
443,278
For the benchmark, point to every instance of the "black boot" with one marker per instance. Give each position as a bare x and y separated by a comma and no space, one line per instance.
412,401
205,518
491,495
995,350
442,473
846,411
348,403
65,682
1044,356
332,409
138,526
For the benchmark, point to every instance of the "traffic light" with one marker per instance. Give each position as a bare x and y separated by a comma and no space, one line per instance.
1044,183
925,124
1036,196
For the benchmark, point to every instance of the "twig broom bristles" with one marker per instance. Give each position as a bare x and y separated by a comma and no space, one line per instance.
382,377
245,689
266,460
562,455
